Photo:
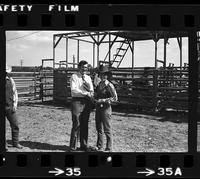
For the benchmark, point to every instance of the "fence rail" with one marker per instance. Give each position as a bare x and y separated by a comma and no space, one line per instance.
26,85
148,89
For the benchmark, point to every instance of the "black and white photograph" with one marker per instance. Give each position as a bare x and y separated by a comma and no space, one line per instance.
97,91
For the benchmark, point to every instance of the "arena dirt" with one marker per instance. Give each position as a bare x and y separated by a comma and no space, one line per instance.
46,127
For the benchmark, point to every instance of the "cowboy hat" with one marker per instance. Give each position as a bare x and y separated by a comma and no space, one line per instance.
104,69
8,69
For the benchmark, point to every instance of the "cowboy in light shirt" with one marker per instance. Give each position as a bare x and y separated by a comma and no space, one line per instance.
82,94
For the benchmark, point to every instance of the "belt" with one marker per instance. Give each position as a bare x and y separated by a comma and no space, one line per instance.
78,98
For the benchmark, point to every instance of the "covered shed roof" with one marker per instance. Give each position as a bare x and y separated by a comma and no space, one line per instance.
129,35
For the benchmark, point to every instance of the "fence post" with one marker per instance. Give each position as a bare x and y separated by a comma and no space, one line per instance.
35,85
41,89
155,86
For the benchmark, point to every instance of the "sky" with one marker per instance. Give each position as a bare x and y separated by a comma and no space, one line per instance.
28,48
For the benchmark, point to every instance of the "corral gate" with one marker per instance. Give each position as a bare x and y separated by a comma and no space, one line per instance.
26,84
45,81
34,85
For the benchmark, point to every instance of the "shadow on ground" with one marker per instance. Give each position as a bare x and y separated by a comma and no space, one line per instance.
39,103
41,146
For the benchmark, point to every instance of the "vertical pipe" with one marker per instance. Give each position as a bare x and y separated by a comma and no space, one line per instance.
165,53
132,59
78,43
66,51
109,49
180,45
93,55
156,46
98,50
73,61
53,52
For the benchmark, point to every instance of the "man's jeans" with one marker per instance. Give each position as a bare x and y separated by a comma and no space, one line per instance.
12,118
80,118
103,121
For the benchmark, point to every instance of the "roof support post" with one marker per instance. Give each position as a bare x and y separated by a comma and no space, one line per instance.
78,45
165,52
93,55
156,39
54,52
132,50
109,50
98,49
180,47
156,47
66,51
58,41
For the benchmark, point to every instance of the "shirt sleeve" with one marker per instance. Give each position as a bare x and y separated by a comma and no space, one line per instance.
15,94
91,84
74,87
113,93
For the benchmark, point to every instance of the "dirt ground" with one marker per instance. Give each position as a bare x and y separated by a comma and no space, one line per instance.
46,128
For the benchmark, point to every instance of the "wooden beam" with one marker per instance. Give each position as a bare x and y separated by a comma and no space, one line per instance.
102,38
160,61
181,56
54,52
97,42
156,47
114,40
81,40
132,50
129,43
165,52
93,55
109,49
78,46
97,50
58,41
66,51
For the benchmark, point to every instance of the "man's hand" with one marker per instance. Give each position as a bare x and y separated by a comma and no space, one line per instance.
101,101
14,108
90,94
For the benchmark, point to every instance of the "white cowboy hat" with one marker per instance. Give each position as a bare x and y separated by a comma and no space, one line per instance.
8,69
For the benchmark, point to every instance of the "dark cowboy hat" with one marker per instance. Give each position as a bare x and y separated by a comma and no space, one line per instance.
104,70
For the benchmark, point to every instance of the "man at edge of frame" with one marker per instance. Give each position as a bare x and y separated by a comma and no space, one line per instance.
11,107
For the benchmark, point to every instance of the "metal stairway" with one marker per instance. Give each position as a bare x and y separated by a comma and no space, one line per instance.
118,56
120,53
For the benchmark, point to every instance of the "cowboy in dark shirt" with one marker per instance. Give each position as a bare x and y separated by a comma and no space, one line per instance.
105,95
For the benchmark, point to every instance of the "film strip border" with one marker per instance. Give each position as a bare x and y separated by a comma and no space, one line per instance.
107,17
101,165
90,17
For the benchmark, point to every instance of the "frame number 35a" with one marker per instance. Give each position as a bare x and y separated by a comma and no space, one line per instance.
169,171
